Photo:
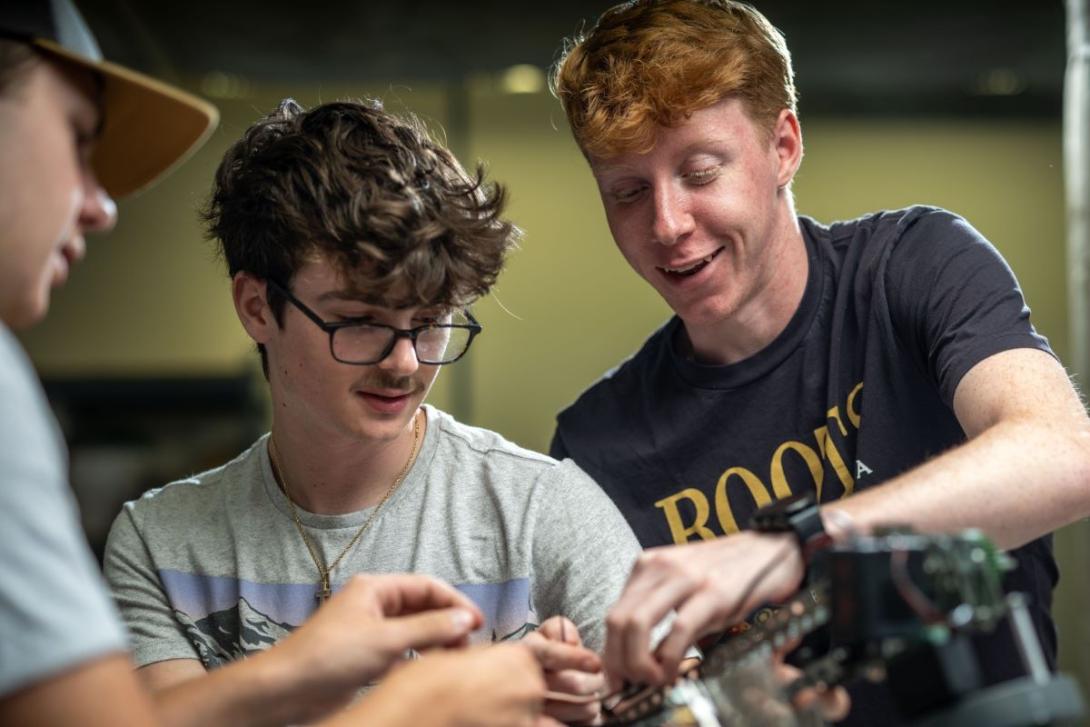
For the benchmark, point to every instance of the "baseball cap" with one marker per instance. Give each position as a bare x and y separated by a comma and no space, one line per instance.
148,126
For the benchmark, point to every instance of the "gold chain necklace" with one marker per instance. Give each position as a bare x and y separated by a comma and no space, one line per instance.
324,589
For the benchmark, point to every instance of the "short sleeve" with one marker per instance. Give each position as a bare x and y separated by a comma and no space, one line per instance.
583,551
55,612
154,630
954,300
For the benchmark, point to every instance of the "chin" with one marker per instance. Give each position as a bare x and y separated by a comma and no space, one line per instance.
385,429
27,315
706,312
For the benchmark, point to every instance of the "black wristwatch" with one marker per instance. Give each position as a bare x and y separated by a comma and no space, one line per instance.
798,514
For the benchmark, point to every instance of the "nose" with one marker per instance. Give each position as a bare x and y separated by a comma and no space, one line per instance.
98,212
402,359
672,218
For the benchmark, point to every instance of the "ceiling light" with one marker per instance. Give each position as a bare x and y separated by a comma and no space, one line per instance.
523,78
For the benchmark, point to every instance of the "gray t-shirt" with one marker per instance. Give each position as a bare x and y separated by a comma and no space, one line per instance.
213,568
55,612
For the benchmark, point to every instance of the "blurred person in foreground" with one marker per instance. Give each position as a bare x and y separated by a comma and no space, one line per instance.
355,245
76,131
885,367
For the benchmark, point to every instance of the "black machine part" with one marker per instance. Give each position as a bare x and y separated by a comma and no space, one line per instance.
1017,703
899,606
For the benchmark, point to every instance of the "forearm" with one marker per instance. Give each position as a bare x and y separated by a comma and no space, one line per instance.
256,691
100,693
1016,481
496,685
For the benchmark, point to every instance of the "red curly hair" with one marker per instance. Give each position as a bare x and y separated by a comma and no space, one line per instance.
652,63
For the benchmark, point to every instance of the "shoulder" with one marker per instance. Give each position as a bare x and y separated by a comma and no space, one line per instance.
202,492
922,243
619,388
499,461
28,431
476,444
886,226
899,246
15,369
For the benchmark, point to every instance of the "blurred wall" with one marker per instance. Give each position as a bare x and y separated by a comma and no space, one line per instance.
152,299
576,308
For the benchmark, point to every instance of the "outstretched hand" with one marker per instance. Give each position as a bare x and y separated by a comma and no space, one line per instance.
709,585
366,628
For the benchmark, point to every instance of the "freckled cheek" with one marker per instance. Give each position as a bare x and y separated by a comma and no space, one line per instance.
629,236
633,255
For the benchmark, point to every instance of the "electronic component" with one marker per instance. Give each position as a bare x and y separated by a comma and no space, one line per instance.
898,606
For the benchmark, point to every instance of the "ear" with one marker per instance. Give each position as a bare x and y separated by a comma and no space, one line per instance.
248,292
787,140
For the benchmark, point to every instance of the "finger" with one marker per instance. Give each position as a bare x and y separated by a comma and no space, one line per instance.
454,645
632,635
562,629
696,617
653,590
835,704
443,627
410,593
574,697
639,662
575,683
556,656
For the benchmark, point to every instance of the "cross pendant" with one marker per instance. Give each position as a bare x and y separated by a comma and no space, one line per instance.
324,593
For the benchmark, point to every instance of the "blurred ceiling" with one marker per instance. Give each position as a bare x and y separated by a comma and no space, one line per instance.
911,57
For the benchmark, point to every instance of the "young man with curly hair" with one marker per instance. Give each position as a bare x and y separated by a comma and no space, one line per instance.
355,246
885,366
74,132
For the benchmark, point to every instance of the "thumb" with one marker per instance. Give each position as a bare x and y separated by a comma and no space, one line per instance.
440,627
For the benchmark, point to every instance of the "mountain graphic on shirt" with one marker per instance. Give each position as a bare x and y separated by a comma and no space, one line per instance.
225,617
225,635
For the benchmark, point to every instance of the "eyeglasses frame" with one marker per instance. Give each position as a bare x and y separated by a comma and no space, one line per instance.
331,328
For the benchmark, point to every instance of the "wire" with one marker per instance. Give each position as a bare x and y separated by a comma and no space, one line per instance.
916,599
755,581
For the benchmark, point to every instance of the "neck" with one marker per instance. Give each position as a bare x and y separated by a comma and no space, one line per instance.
765,314
333,478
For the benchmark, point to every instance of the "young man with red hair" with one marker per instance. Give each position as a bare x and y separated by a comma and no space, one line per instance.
885,366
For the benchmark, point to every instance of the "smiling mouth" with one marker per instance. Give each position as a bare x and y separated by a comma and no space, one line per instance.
692,268
387,403
392,396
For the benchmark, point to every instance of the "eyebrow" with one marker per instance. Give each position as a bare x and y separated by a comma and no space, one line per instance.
714,145
349,296
608,169
346,296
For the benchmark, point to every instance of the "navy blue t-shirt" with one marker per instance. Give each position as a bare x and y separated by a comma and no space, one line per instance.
857,389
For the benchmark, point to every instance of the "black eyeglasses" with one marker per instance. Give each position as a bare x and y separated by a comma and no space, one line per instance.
363,343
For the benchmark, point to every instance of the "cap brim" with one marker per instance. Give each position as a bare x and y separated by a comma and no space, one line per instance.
150,127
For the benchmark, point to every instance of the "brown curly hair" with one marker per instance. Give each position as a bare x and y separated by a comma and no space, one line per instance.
392,210
651,63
